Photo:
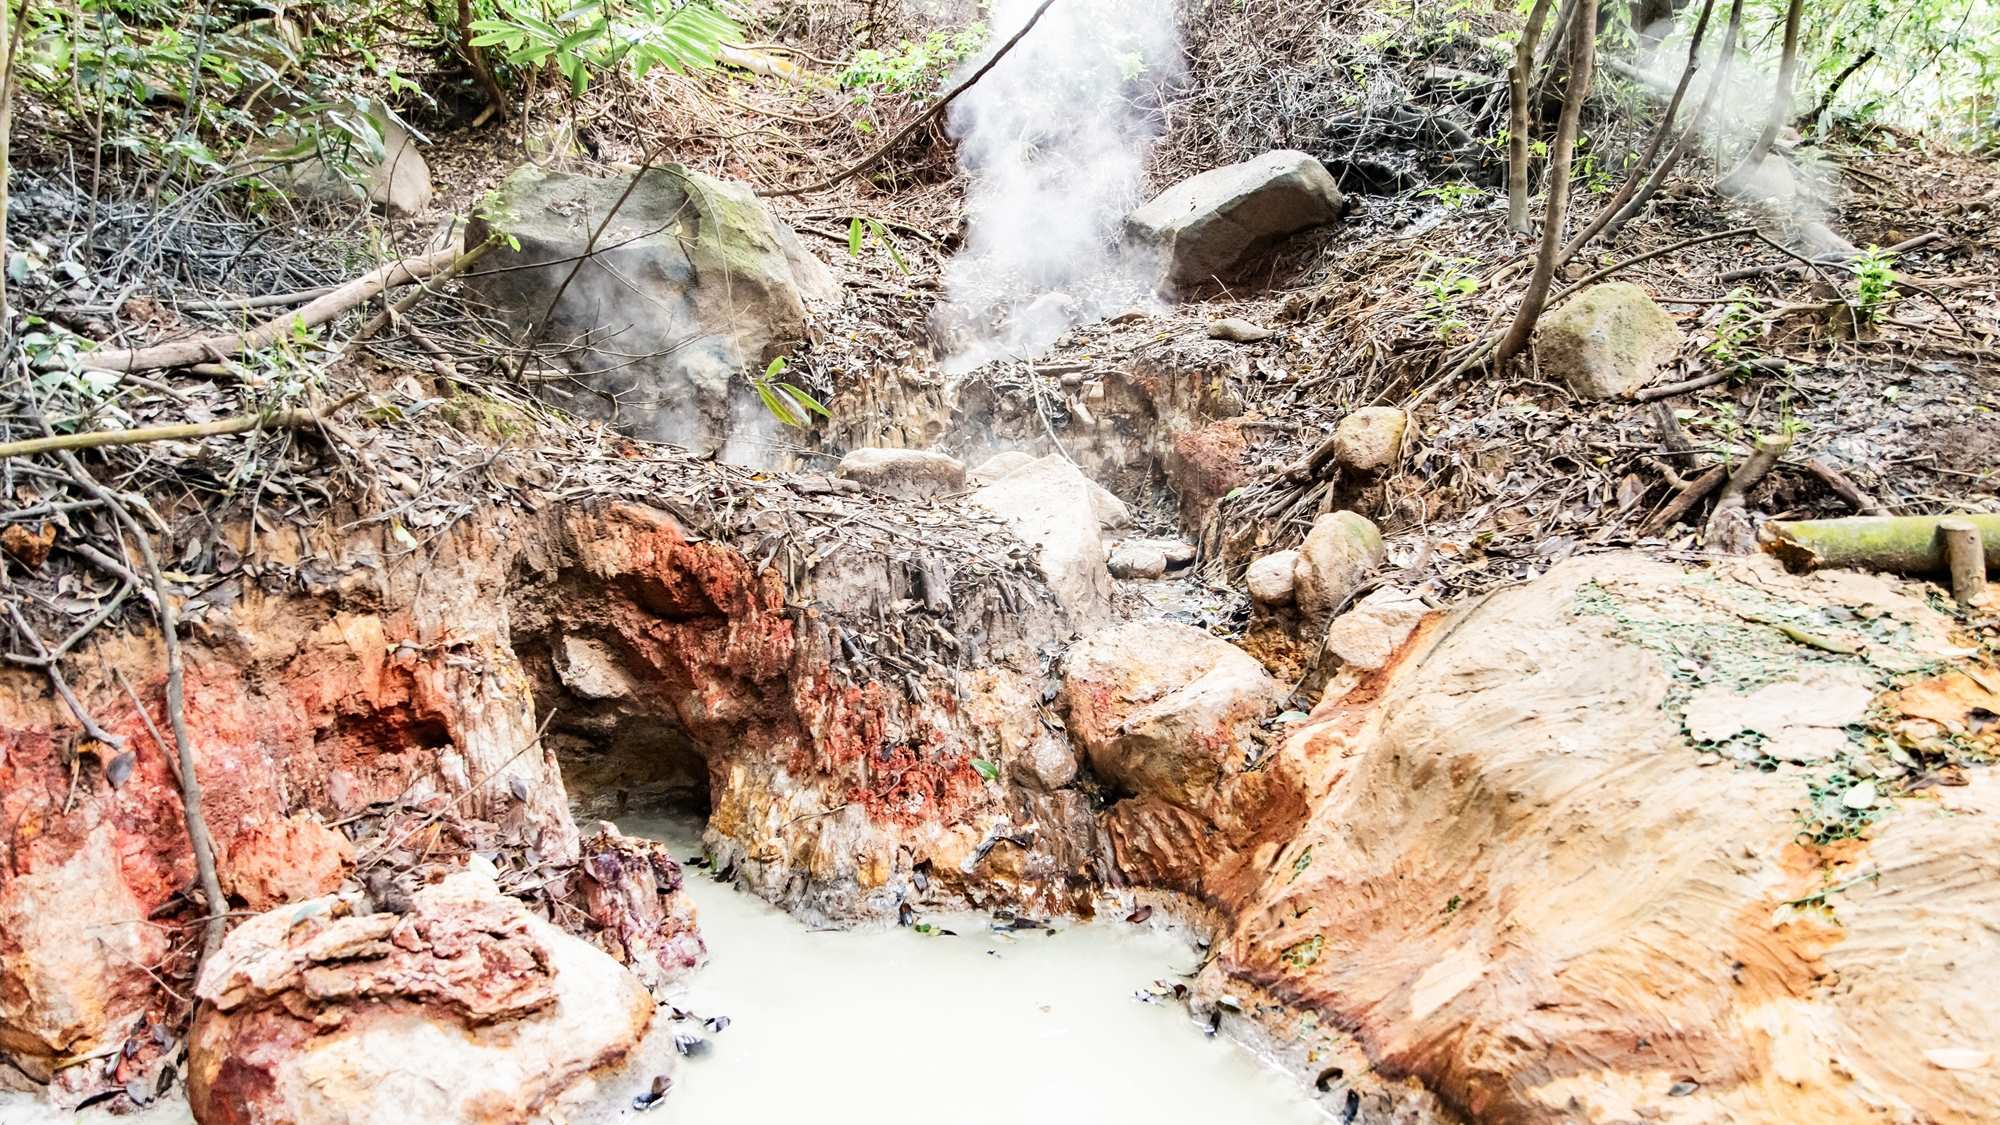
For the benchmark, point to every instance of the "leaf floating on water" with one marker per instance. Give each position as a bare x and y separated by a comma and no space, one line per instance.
1140,915
690,1045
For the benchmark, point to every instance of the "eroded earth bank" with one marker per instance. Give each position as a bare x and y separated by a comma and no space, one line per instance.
1464,729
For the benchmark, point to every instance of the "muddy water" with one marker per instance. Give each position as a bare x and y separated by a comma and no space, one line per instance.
888,1024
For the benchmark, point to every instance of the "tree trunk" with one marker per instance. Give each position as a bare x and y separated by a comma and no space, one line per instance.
1781,102
1518,119
1724,64
1897,544
10,38
1659,137
1582,57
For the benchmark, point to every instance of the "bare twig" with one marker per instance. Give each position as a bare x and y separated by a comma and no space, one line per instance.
903,134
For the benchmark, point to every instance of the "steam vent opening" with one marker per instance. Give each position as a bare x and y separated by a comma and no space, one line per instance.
620,759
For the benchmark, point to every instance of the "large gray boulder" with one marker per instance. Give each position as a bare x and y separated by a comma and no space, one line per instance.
1208,223
692,283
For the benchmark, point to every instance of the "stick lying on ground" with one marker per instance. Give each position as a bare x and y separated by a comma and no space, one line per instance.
1898,544
241,423
208,349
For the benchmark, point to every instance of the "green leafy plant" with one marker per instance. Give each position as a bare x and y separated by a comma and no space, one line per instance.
863,228
1444,285
1874,282
787,403
585,37
913,65
1734,330
1454,195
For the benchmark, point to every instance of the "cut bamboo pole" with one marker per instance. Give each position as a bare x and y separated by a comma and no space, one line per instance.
1965,556
1897,544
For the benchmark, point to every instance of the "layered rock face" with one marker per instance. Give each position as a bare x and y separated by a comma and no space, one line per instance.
1516,879
362,717
692,282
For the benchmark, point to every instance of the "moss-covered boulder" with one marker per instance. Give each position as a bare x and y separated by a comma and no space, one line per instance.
1339,553
691,284
1607,341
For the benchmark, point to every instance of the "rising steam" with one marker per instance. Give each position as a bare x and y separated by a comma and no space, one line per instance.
1054,142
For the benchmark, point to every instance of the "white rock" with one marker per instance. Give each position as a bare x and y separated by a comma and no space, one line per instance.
1369,439
1271,578
1137,560
1048,505
1367,635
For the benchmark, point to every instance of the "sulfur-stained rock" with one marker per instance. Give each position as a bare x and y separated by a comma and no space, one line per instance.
1339,552
907,474
1164,709
1048,505
590,672
1370,439
73,966
1516,854
1607,341
465,1008
287,860
631,889
1272,579
1210,222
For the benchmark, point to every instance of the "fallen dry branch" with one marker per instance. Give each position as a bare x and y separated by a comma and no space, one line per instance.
212,349
1897,544
391,314
242,423
1729,524
1846,489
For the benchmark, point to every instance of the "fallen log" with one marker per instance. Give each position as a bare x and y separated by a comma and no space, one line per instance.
294,419
1898,544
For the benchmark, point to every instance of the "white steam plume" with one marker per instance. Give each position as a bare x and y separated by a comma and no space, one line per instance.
1054,142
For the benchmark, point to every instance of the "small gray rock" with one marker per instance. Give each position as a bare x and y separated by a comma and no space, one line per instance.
908,474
